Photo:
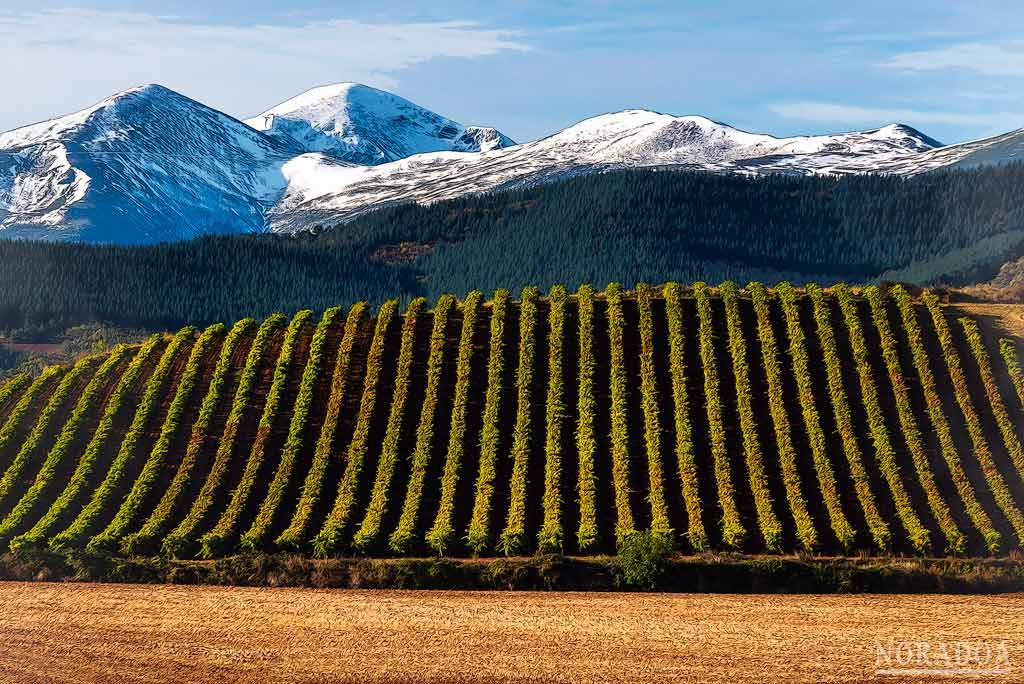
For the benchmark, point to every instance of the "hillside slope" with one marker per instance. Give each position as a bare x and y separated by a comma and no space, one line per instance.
756,420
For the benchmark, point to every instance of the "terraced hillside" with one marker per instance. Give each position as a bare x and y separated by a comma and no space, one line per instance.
759,420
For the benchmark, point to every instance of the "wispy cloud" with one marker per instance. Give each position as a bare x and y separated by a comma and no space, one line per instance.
54,57
870,116
990,59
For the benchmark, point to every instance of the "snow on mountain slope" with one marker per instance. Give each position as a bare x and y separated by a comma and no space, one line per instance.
144,165
363,125
320,189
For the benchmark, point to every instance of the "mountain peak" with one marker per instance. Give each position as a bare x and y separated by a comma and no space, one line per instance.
366,125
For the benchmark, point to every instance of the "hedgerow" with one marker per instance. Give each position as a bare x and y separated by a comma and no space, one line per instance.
402,537
1008,350
219,539
649,403
956,542
478,535
806,534
26,401
255,537
977,514
369,530
879,530
76,486
11,388
624,525
885,455
16,470
294,537
130,508
184,534
586,444
86,405
841,527
82,527
328,539
768,522
442,532
733,532
685,457
964,398
995,400
144,539
550,538
513,536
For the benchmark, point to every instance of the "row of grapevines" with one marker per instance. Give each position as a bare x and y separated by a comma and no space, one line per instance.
442,532
132,504
402,537
143,540
649,402
20,409
369,530
841,527
733,531
255,537
86,405
885,454
806,534
219,539
1002,495
624,525
685,456
328,539
1008,350
184,534
955,540
771,528
478,535
844,421
513,536
586,444
940,423
550,537
76,486
294,536
995,400
16,470
82,527
10,389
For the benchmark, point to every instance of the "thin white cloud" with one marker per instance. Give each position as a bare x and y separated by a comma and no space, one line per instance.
59,61
828,112
990,59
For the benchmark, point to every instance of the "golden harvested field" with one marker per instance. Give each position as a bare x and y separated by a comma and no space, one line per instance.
144,633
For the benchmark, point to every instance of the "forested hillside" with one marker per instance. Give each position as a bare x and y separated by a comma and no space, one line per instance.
759,420
628,226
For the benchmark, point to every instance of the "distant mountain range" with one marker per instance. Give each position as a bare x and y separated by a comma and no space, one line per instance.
150,165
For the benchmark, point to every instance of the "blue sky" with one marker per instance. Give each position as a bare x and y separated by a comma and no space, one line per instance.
954,69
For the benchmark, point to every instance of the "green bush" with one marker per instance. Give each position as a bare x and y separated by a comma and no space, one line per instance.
643,559
442,532
479,535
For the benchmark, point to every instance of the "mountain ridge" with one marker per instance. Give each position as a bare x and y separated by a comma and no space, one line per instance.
149,164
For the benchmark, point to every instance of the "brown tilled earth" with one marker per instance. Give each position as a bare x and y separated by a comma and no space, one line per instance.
140,633
1005,320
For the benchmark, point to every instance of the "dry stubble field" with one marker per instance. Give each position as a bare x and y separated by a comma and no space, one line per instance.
143,633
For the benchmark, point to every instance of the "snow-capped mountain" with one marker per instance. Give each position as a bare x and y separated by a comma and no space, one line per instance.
149,164
321,190
146,165
364,125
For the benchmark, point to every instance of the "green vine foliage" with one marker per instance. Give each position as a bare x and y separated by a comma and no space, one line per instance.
652,425
586,443
551,536
624,524
181,538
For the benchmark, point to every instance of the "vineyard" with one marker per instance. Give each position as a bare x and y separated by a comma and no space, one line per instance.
757,420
